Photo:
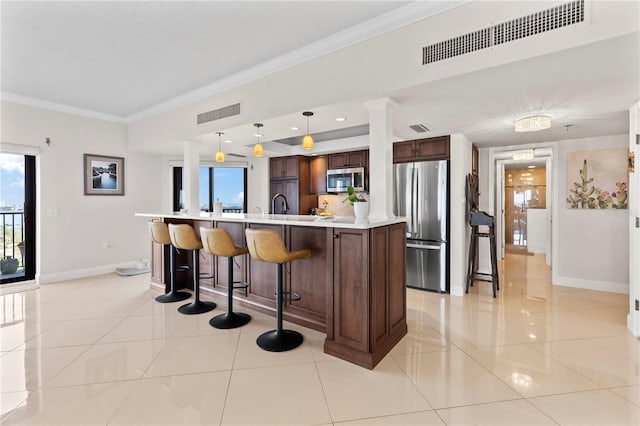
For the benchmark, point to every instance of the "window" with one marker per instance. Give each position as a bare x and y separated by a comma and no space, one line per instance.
225,184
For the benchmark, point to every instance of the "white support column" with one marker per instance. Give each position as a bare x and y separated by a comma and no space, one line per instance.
381,158
191,176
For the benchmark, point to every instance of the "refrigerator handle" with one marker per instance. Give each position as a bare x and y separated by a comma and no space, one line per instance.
415,201
410,208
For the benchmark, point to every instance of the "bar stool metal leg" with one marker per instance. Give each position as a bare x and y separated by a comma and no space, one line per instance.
173,295
197,306
279,340
230,319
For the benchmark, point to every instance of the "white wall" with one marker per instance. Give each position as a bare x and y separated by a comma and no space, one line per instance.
460,232
591,246
71,244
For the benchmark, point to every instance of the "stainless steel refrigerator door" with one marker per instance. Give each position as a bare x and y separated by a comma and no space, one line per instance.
404,195
426,265
430,189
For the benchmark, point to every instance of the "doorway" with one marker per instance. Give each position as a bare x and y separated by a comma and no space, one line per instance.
525,208
17,212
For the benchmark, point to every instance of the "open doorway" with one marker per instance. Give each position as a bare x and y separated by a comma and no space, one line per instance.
525,208
17,217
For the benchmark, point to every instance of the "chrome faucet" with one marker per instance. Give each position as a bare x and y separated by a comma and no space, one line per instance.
273,203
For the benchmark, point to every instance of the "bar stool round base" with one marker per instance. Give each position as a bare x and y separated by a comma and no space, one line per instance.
279,341
229,320
196,307
173,297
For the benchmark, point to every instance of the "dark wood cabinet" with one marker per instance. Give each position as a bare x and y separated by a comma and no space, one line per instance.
293,183
318,175
368,314
343,160
436,148
284,167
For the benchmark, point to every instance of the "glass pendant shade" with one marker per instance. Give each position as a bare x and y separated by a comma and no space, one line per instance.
307,142
258,151
219,154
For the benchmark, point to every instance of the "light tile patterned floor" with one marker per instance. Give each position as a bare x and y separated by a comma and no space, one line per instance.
102,351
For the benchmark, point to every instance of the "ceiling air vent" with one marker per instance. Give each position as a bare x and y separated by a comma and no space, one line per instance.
219,113
550,19
419,128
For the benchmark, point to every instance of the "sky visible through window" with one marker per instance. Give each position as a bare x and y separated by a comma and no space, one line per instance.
228,186
11,182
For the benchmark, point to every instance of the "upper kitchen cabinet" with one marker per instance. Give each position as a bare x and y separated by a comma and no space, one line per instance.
343,160
421,150
290,177
285,167
318,175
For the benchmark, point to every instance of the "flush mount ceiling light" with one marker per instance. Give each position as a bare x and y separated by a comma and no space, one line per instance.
219,154
341,119
532,123
525,154
258,151
307,141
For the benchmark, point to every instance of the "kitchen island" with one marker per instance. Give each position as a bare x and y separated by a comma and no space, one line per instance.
352,288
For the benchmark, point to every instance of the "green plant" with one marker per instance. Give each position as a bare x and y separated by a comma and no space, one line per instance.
352,196
583,195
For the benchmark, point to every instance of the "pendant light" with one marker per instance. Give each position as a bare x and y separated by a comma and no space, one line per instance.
257,149
219,154
307,141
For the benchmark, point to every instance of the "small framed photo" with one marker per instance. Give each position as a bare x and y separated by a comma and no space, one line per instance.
103,175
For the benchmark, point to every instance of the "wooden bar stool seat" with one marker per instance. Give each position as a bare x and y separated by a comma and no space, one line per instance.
160,234
267,246
218,242
183,237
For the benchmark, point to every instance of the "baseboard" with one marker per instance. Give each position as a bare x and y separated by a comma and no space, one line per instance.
82,273
610,287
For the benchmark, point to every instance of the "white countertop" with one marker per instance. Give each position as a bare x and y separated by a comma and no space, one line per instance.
284,219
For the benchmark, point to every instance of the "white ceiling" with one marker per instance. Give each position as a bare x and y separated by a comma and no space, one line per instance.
121,58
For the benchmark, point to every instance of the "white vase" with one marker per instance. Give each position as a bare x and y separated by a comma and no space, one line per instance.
361,208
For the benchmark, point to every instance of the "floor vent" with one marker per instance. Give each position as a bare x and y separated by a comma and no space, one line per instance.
550,19
419,128
219,113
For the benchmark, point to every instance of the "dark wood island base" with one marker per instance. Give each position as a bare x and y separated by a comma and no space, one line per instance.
352,288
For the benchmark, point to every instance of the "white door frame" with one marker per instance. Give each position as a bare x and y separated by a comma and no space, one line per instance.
500,156
633,319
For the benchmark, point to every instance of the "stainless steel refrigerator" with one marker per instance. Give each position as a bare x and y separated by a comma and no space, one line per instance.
421,195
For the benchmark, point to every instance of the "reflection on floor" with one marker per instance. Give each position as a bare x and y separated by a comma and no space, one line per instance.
516,249
101,351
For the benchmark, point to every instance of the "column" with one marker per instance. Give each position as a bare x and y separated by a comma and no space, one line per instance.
191,176
381,158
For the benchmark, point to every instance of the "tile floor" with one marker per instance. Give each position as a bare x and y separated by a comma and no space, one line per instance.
102,351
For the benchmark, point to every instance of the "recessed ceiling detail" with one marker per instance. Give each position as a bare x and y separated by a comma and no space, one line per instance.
346,132
219,113
526,26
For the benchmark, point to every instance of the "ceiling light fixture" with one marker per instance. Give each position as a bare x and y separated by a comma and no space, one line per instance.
532,123
307,141
295,128
228,141
219,154
522,155
341,119
258,151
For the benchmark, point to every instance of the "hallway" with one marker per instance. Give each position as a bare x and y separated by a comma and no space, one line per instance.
101,351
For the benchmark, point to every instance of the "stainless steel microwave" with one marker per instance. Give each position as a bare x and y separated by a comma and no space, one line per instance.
339,179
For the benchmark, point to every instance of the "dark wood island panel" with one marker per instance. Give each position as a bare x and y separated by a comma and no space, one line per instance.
352,288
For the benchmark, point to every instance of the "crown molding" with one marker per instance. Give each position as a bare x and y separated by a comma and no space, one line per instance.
406,15
37,103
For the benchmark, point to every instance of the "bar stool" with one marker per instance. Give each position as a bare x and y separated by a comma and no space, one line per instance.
218,242
477,219
184,237
267,246
160,234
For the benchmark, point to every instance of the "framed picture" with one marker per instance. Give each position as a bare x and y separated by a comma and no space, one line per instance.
103,175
